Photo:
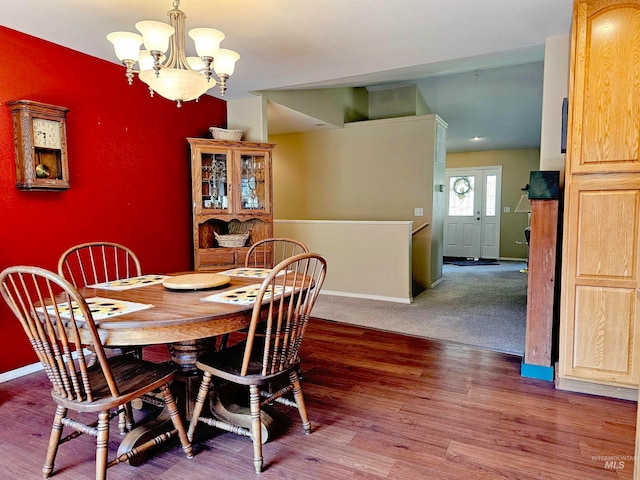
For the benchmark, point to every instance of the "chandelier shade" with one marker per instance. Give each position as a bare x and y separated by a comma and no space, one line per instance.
126,44
156,35
196,64
225,62
176,83
163,64
207,41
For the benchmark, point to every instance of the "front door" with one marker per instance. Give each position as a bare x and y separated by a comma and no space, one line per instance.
472,218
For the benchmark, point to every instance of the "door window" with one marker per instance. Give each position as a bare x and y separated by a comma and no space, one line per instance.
461,196
490,195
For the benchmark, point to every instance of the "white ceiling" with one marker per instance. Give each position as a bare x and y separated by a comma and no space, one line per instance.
476,62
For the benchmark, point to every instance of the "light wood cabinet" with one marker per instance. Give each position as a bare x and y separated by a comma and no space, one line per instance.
600,310
231,194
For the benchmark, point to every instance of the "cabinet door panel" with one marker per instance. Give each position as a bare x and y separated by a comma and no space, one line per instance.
217,256
607,233
254,177
606,86
211,193
598,334
604,332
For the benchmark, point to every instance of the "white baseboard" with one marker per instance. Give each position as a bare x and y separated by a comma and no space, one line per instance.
20,372
27,369
368,297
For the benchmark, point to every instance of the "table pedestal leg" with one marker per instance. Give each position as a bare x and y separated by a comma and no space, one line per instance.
224,398
153,422
223,406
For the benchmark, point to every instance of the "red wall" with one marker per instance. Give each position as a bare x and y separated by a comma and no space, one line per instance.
129,168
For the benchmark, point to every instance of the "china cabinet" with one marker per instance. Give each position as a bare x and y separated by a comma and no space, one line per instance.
599,349
231,195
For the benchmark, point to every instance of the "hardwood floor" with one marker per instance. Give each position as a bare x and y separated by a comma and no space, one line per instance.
383,406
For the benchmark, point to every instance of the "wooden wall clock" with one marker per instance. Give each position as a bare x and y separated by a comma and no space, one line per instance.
40,139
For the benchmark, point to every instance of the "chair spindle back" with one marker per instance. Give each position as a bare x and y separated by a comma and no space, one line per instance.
40,300
98,262
284,315
269,252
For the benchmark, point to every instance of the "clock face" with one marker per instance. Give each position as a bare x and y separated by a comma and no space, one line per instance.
47,133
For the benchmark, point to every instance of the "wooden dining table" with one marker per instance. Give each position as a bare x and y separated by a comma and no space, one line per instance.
188,325
175,315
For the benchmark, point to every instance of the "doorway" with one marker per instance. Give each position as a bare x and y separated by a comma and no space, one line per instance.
472,212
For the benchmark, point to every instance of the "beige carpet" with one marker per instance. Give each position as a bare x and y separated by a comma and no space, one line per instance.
480,305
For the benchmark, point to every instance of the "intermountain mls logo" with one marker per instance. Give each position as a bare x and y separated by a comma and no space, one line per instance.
613,462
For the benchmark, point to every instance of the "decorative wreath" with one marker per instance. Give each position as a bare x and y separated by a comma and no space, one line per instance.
461,186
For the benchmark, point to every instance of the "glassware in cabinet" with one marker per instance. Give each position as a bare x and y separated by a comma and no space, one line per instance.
231,187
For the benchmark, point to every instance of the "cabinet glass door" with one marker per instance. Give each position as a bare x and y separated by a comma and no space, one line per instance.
215,192
253,175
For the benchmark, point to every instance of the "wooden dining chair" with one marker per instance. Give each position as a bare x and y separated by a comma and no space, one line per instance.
271,357
40,300
99,262
269,252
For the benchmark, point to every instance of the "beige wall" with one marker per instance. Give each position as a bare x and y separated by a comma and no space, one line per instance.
396,101
334,106
249,114
373,170
516,165
349,248
556,84
339,106
436,231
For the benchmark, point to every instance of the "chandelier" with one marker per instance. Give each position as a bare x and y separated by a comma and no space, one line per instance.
173,75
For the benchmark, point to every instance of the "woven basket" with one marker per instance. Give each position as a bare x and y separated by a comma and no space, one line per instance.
236,240
224,134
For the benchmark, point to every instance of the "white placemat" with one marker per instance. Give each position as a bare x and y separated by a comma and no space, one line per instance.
133,282
243,295
248,272
100,308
